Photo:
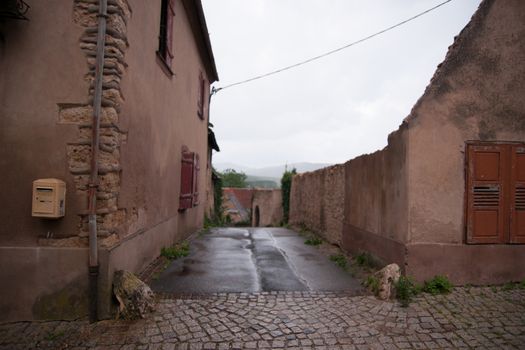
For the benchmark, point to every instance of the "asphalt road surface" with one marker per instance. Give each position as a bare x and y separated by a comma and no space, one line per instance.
253,260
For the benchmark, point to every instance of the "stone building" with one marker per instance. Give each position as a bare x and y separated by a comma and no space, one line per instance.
447,195
150,183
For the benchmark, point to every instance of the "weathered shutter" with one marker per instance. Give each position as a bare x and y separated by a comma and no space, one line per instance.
170,13
196,171
186,180
486,177
517,197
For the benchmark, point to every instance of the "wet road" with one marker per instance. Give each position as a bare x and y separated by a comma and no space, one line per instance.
253,260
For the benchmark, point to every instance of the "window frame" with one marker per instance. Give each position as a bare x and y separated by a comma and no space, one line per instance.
165,47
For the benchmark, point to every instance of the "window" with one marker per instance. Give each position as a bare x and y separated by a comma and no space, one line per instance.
189,181
202,96
496,193
166,32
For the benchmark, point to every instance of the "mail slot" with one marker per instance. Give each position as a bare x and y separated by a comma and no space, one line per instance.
49,198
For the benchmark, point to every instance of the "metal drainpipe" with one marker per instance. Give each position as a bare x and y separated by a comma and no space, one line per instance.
93,179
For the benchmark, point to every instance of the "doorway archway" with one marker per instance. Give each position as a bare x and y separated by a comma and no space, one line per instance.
257,216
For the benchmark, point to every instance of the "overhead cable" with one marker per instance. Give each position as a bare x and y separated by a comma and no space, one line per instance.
215,90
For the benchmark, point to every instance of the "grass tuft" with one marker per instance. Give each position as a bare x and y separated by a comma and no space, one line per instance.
406,290
313,241
179,250
438,285
339,259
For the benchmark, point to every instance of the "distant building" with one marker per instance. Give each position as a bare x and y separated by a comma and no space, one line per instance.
154,175
237,203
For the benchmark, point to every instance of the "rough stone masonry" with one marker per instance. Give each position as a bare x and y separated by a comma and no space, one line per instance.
110,216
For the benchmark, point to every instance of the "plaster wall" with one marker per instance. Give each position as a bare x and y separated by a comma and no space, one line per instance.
269,203
160,117
376,201
43,283
41,67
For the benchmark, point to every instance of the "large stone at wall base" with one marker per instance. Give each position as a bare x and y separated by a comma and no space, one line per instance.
388,277
135,297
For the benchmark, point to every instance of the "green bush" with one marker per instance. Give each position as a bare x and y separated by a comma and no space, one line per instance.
180,250
365,259
339,259
286,187
313,241
406,289
438,285
372,283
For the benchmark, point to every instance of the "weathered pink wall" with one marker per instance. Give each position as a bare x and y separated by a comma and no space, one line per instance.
317,202
405,203
45,132
375,216
41,67
476,94
160,116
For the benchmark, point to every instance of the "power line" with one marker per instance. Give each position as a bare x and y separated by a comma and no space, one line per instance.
215,90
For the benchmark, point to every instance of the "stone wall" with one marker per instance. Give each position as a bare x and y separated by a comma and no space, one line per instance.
317,202
110,216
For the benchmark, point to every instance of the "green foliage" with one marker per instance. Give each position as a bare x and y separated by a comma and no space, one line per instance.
406,289
438,285
509,286
179,250
313,241
372,283
365,259
52,336
521,285
285,225
232,178
286,186
339,259
217,197
246,223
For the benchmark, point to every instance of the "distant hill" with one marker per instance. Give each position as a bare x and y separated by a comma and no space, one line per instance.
263,181
273,172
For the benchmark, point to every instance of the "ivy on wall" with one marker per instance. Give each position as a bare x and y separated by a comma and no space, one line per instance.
286,186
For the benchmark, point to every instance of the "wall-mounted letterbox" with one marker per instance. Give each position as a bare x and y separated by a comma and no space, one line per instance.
49,198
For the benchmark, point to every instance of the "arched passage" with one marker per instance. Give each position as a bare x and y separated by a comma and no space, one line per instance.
257,216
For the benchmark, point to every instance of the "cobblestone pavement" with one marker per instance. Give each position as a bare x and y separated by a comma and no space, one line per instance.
466,318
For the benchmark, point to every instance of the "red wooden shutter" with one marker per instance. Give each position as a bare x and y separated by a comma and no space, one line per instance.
186,181
486,214
170,13
517,197
196,170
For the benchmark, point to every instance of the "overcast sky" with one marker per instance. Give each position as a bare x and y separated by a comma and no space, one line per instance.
336,108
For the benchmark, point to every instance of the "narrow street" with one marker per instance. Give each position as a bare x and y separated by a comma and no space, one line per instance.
263,288
252,260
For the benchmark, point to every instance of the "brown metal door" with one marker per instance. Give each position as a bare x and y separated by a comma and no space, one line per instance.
486,175
517,198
